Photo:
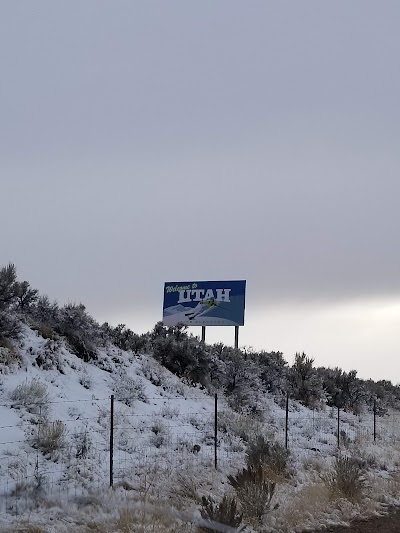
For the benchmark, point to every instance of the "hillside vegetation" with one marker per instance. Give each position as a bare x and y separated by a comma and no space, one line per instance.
205,438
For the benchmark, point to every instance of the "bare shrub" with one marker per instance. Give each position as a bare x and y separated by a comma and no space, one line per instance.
154,372
347,478
387,486
253,490
186,487
32,395
225,513
83,443
160,433
33,486
50,436
313,464
167,411
344,438
239,424
85,379
47,332
128,389
9,353
50,357
10,325
271,456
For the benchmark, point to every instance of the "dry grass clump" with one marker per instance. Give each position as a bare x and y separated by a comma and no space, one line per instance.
146,519
240,425
386,488
313,464
303,507
50,436
159,432
347,479
254,491
29,528
94,527
224,513
31,394
186,488
271,456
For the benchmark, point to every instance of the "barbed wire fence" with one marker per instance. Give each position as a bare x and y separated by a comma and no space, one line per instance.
70,457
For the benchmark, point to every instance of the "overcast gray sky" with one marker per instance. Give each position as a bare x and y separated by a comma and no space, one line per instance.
171,140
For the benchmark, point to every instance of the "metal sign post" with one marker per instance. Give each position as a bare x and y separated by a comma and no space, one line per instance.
236,337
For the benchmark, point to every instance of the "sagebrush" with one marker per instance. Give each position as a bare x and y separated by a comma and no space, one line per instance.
224,513
49,437
347,479
31,394
254,491
271,456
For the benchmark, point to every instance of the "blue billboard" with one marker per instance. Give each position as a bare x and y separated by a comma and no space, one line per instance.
204,303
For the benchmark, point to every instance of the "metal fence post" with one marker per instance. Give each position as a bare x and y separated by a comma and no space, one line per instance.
338,427
374,420
287,421
215,430
112,441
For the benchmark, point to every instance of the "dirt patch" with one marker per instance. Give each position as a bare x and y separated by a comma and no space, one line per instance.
386,524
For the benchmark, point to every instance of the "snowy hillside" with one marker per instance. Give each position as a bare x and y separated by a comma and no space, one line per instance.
55,448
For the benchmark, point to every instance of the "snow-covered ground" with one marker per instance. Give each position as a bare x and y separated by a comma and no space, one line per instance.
55,447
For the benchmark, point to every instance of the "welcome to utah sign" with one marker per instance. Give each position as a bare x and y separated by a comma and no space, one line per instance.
204,303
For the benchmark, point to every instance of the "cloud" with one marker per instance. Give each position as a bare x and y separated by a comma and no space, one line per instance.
141,144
